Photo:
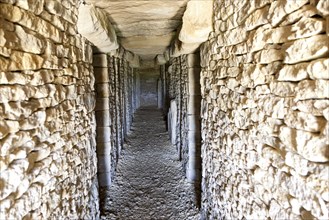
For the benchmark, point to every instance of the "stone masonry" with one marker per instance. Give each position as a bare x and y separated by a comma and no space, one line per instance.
247,111
47,125
264,84
183,87
114,109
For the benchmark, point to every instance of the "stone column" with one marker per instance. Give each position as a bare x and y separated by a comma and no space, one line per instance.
193,171
138,90
159,93
102,111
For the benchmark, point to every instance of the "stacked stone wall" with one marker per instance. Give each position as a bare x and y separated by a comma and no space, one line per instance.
47,124
265,112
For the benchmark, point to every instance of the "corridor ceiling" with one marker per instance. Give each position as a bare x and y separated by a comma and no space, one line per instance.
145,27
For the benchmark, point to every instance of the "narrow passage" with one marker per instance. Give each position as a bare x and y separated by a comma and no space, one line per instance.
150,182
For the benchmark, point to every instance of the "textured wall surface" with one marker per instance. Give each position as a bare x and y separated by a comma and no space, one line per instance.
265,112
47,125
148,87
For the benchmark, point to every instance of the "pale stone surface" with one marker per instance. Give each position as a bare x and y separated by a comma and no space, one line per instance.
323,7
47,126
281,8
94,25
140,24
197,22
264,109
307,49
319,69
295,72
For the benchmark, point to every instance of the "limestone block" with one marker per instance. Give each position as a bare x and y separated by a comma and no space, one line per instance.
94,25
197,22
283,89
267,56
173,121
57,21
306,11
104,179
15,93
279,9
21,40
193,123
166,54
323,7
297,30
304,121
160,59
194,89
307,49
314,107
30,5
232,37
193,105
205,56
102,104
193,60
104,163
319,69
103,90
56,8
257,18
103,134
180,48
25,61
241,48
28,19
194,137
100,60
312,89
104,148
5,52
194,75
312,147
295,72
12,78
300,165
103,118
257,38
101,74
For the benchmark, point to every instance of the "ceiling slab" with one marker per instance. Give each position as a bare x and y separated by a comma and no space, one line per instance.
144,27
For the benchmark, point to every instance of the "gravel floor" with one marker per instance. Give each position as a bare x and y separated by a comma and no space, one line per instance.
150,182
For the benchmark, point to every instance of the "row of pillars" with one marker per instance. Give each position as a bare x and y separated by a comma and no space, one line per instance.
117,98
173,93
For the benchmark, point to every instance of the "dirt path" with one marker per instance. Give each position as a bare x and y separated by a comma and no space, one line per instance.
150,182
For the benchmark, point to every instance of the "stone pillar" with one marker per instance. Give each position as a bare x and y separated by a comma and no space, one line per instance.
159,93
193,171
102,111
138,90
172,116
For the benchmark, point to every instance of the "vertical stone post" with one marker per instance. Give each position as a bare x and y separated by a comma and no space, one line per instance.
138,90
159,93
193,171
102,111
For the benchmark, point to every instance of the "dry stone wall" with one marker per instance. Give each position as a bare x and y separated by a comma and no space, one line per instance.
47,124
114,110
265,112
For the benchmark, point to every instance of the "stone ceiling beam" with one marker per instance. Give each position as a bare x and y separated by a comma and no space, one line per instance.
94,25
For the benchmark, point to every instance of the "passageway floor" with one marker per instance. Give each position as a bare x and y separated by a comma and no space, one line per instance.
149,182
